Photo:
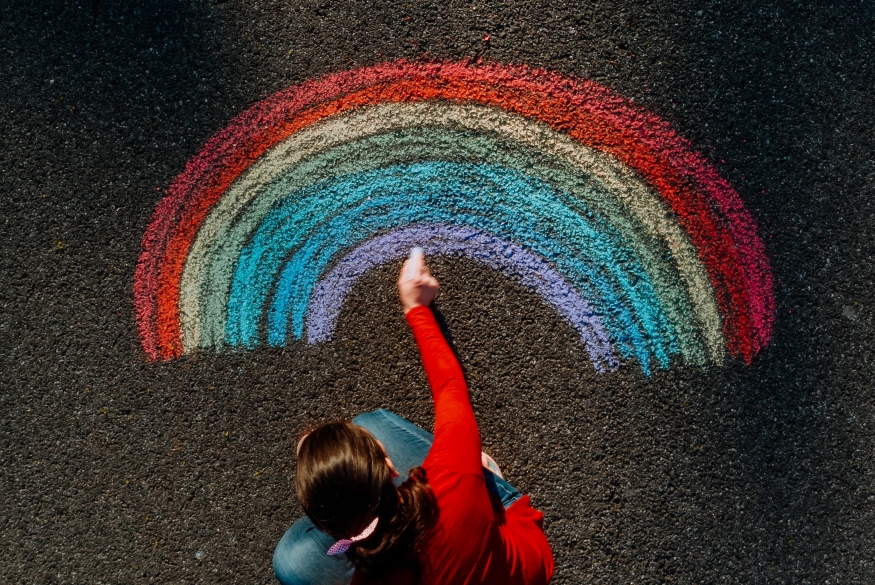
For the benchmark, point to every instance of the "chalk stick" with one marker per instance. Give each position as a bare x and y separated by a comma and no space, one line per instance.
415,255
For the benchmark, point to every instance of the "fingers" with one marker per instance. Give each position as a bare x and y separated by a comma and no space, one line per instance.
416,285
409,271
414,266
415,269
428,279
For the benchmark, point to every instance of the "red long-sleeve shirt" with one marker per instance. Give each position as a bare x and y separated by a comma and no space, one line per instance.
475,540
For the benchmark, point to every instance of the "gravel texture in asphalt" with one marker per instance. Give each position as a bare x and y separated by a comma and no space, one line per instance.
120,469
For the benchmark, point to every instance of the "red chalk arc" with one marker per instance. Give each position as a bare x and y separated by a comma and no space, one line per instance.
710,211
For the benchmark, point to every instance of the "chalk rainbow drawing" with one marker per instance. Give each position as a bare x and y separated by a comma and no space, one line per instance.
573,191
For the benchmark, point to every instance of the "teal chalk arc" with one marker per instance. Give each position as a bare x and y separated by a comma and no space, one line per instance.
483,196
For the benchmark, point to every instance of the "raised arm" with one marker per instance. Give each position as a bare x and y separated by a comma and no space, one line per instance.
457,439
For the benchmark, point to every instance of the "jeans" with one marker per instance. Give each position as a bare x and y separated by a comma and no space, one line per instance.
300,557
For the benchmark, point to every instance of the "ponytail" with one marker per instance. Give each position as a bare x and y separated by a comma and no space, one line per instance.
404,529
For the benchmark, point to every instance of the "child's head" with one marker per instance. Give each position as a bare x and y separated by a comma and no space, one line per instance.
343,479
344,482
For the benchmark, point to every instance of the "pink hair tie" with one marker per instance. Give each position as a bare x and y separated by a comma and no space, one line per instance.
342,545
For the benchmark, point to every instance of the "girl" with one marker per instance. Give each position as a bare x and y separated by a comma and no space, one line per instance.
451,521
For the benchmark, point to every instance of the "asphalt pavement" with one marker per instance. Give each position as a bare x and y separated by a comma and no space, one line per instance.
118,469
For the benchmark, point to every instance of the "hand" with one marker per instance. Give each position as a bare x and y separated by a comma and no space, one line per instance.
416,286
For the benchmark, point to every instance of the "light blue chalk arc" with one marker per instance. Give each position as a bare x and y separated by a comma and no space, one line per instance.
308,228
512,260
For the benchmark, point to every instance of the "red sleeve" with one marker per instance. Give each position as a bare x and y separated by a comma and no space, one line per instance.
456,438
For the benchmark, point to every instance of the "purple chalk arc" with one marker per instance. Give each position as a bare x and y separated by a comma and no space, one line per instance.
514,261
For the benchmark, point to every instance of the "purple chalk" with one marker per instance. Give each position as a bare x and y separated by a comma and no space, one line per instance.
511,259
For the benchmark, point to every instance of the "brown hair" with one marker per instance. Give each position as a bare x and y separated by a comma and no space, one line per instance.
343,482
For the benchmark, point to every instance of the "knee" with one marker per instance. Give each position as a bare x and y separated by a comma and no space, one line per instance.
291,556
372,418
300,558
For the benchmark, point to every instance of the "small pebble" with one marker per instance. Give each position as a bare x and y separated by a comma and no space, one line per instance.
850,311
